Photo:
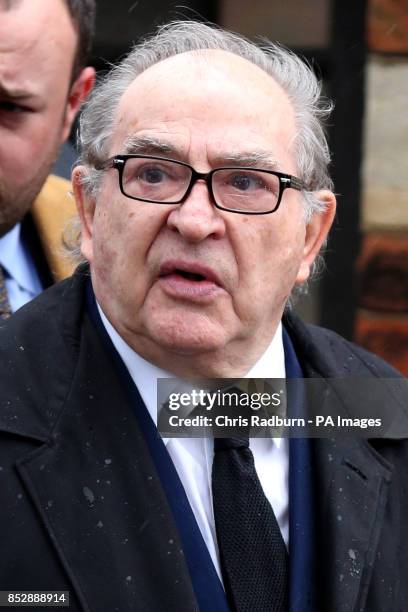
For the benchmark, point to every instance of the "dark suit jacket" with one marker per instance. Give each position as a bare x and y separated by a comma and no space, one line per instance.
82,508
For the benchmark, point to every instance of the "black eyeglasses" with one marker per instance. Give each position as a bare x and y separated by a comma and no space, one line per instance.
247,191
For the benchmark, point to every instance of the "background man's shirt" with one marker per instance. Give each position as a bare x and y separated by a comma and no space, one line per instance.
22,280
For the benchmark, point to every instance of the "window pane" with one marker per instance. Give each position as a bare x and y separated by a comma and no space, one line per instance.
281,20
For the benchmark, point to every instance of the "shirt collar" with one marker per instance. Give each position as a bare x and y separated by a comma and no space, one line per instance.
14,260
144,374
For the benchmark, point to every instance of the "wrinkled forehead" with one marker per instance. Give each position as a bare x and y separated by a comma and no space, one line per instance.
196,85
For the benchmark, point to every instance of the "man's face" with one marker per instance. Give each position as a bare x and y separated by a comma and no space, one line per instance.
203,111
37,100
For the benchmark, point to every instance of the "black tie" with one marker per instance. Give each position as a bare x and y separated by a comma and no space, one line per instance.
5,310
254,559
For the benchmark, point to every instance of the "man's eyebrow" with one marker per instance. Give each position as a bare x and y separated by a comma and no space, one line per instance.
252,159
148,145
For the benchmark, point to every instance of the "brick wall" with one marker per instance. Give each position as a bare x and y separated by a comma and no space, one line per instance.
382,318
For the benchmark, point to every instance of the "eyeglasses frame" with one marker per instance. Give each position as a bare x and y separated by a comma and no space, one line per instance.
286,181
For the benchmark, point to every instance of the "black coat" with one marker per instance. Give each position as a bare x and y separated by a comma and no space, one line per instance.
82,508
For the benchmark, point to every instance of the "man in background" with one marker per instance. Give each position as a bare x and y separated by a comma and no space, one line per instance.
44,46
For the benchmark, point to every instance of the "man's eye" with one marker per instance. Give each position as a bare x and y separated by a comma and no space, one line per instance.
152,175
245,182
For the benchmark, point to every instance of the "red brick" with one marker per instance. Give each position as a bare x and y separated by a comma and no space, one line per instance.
383,272
387,26
384,336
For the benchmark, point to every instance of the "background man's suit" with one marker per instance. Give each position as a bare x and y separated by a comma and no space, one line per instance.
82,494
40,239
51,211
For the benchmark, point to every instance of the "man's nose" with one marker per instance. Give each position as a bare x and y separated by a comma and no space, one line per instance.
197,218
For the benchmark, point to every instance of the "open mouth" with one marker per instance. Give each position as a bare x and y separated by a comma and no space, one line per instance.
193,276
189,280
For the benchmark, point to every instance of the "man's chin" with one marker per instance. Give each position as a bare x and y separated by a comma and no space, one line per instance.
184,337
11,213
7,223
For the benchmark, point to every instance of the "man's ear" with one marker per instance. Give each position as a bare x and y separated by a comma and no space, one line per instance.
316,233
85,203
77,95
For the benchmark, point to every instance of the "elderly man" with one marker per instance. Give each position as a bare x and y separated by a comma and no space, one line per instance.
44,46
204,200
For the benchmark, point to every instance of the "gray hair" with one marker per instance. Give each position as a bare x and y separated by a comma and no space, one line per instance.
287,69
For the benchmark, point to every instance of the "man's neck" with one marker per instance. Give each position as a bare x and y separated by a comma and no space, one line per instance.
234,361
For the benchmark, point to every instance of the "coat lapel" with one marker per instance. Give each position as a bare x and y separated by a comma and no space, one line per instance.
95,478
352,480
352,484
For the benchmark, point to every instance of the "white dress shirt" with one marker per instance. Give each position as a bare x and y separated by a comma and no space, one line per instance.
22,280
193,457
